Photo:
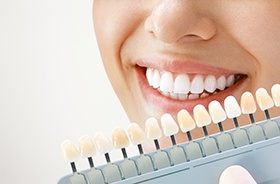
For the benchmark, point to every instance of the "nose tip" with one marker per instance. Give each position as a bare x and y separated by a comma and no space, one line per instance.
177,22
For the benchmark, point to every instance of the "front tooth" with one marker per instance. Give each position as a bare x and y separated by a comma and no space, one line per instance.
136,134
275,92
174,96
119,138
231,107
169,125
153,130
156,79
103,143
149,76
185,121
166,82
182,96
182,84
247,103
221,82
197,84
230,80
216,112
193,96
263,99
210,83
201,116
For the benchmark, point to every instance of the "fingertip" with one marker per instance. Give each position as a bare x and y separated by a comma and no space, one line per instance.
236,174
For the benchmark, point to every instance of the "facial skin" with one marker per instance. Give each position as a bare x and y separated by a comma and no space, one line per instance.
187,37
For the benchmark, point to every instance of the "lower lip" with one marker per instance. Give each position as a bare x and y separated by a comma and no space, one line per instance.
168,105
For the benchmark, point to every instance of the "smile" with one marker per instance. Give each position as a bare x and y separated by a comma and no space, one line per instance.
182,86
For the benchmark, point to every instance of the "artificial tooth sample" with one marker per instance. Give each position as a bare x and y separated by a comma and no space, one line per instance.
182,84
233,110
137,137
197,85
186,124
120,141
153,132
275,92
166,82
170,128
104,146
265,102
202,119
70,155
218,115
248,106
88,150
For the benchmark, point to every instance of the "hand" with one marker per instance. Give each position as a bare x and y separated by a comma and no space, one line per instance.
236,175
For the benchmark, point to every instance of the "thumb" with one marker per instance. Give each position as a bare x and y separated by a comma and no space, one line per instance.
236,174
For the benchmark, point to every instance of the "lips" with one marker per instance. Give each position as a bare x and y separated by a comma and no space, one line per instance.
175,85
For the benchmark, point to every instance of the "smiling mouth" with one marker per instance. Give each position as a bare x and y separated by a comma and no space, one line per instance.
183,86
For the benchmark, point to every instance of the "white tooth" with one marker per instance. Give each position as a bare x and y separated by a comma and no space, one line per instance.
156,79
275,92
204,95
87,147
136,134
174,96
168,124
182,96
193,96
153,130
185,121
210,83
69,151
216,112
103,143
230,80
221,82
197,84
165,93
182,84
149,76
201,116
263,99
231,107
166,82
247,103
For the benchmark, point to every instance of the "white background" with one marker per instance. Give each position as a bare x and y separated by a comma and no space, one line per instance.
52,87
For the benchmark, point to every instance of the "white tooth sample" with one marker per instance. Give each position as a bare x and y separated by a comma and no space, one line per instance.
197,84
247,103
193,96
166,82
168,125
103,143
216,112
69,151
136,134
232,108
153,130
156,78
185,121
230,80
119,138
221,82
149,76
86,147
275,92
210,83
263,99
182,84
201,116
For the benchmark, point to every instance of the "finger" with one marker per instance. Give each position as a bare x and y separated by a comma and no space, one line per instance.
236,174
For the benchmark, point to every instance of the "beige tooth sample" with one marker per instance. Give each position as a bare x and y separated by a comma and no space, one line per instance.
263,99
247,103
185,121
232,108
119,138
69,151
275,92
103,143
136,134
86,147
168,124
153,130
216,112
201,116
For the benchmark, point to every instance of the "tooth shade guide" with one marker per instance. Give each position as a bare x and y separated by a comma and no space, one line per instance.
275,93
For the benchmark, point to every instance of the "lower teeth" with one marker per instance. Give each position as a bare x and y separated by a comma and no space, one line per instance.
190,96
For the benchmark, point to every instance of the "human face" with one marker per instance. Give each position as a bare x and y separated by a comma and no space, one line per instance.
219,38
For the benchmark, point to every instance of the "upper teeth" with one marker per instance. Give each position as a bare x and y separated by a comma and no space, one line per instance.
180,84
